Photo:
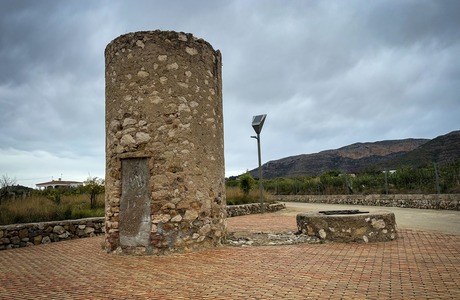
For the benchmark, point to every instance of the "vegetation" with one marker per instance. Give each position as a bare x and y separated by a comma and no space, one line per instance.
52,204
93,186
62,204
88,201
43,206
235,196
406,180
241,191
6,184
246,183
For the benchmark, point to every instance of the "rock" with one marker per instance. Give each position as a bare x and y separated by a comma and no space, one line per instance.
322,234
378,224
177,218
58,229
15,240
127,140
23,233
205,230
38,239
190,215
64,235
142,137
46,240
143,74
89,230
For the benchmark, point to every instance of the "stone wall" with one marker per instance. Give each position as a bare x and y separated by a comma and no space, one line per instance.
24,235
164,144
443,201
361,228
253,208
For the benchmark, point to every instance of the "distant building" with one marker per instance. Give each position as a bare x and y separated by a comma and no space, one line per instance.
389,171
56,184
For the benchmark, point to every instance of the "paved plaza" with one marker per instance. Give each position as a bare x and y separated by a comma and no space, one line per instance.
421,264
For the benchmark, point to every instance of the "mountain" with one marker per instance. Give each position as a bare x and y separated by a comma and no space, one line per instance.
357,157
442,149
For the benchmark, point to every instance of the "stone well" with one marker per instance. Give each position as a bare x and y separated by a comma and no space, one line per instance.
165,188
379,226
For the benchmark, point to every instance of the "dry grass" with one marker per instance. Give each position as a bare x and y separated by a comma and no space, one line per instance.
235,196
39,208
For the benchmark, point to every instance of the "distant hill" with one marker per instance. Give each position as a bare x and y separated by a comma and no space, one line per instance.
442,149
357,157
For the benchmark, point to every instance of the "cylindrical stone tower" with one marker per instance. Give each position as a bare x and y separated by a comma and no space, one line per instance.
165,189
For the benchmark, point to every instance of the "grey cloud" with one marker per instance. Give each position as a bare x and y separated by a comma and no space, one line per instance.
327,73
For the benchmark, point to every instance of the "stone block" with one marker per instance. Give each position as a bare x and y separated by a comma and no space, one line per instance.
379,226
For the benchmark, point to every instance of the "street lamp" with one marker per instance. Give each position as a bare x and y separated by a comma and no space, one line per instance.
257,123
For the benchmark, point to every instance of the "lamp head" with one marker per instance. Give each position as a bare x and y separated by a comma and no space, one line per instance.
258,122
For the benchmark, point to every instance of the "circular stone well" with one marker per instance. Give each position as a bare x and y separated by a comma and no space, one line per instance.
379,226
165,189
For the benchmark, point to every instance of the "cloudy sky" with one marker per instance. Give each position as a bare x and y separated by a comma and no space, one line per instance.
327,74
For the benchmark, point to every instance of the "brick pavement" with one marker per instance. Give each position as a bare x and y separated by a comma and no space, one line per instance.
419,265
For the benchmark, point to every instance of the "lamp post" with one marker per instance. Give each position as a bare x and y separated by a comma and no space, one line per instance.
257,123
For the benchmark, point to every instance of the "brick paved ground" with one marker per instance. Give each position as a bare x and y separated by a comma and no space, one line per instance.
419,265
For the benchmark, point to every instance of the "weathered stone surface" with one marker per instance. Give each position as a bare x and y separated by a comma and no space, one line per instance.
164,105
134,222
368,227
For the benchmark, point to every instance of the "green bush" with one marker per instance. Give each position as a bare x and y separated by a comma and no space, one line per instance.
246,183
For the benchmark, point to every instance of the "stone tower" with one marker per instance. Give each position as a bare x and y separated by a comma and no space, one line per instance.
165,189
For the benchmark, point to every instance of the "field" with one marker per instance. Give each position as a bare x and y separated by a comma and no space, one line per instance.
39,208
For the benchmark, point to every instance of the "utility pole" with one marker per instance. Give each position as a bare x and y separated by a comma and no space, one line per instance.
386,181
257,123
436,178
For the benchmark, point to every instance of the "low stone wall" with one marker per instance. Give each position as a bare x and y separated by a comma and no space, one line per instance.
359,228
23,235
30,234
443,201
253,208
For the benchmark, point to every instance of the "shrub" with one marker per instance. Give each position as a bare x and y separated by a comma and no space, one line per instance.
236,197
246,183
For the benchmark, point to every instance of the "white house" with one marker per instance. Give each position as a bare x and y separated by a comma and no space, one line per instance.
55,184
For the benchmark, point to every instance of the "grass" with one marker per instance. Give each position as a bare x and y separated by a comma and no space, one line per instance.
39,208
236,197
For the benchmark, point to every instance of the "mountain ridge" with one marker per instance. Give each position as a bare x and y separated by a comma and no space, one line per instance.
357,157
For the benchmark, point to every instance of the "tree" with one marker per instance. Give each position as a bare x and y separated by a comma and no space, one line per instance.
93,186
6,184
246,183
